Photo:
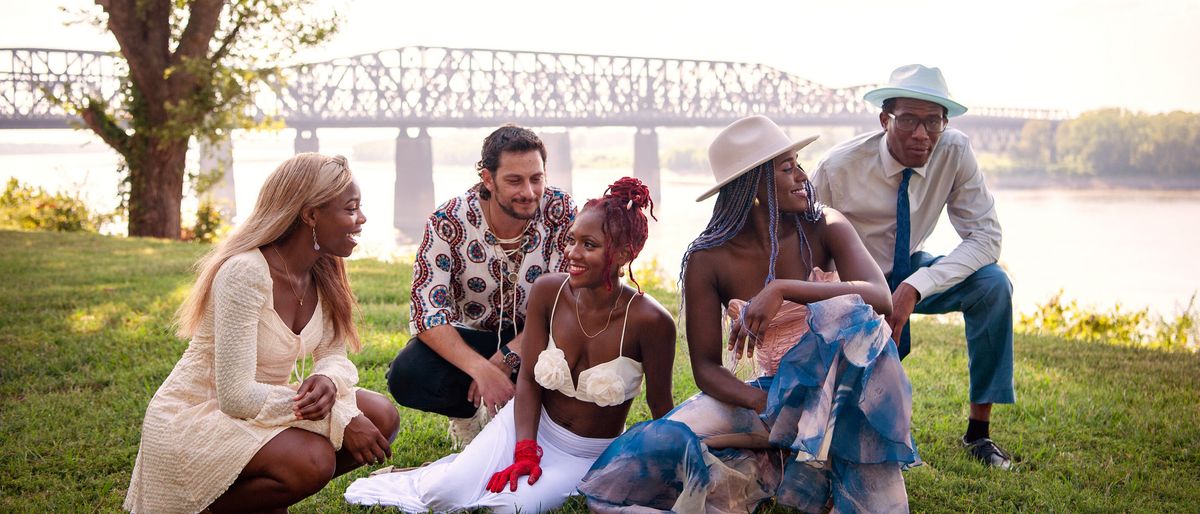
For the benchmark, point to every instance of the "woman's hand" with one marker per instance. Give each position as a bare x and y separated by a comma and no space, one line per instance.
315,398
527,459
364,441
755,317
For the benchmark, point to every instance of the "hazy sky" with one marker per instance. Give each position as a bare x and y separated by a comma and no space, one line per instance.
1070,54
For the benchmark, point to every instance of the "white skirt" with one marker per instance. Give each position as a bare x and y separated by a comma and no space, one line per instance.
457,481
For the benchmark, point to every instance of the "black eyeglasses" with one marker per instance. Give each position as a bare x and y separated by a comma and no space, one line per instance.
909,123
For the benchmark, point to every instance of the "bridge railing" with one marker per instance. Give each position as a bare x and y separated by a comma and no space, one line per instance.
1019,113
32,78
444,86
434,86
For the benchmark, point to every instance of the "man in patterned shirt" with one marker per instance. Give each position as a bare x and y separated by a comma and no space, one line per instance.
473,271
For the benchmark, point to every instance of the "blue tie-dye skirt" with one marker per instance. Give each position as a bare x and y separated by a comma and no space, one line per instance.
838,423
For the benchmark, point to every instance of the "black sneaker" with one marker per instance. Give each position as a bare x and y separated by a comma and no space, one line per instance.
988,452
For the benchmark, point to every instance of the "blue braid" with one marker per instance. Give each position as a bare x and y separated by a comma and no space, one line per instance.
729,215
816,209
768,170
813,214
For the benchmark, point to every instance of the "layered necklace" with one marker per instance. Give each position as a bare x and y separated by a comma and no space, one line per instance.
510,266
509,269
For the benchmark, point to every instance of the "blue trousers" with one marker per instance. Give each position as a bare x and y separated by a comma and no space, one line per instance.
985,300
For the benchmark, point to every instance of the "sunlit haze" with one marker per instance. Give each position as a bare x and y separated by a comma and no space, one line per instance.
1071,54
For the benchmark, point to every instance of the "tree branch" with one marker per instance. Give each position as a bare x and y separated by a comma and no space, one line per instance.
203,19
144,36
230,38
188,68
100,122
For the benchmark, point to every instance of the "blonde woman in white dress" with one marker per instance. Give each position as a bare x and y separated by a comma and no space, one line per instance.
241,424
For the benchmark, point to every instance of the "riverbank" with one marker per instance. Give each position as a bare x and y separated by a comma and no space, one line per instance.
85,328
1085,183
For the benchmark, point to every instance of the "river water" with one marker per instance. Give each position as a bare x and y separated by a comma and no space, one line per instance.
1102,247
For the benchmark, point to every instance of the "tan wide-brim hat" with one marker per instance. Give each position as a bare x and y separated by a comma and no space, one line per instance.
744,145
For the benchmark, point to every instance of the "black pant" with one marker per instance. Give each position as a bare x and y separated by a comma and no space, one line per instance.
421,379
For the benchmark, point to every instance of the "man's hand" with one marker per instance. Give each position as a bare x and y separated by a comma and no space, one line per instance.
315,398
904,300
473,393
491,386
364,441
497,359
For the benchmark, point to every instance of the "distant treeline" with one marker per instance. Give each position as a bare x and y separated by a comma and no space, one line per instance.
1114,142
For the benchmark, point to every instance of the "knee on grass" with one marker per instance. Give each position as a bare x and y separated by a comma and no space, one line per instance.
307,470
380,411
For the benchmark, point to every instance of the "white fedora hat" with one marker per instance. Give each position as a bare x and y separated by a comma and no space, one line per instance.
745,144
920,82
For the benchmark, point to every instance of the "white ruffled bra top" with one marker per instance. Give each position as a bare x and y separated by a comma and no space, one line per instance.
611,383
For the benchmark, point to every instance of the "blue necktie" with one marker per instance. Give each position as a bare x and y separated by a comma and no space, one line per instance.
901,265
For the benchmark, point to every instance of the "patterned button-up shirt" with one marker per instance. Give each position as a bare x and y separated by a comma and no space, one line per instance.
460,275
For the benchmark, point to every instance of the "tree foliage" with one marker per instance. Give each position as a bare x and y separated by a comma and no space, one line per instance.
195,67
1036,143
1116,142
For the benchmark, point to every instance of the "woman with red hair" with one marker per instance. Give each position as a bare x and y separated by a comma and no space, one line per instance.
588,340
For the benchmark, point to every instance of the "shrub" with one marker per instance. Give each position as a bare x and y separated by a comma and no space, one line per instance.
1132,328
209,226
651,276
28,208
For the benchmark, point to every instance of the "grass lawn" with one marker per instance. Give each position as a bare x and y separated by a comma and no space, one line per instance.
86,338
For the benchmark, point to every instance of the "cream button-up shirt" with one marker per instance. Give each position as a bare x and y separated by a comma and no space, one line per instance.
860,178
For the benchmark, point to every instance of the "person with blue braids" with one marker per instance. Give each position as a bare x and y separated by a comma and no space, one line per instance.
826,424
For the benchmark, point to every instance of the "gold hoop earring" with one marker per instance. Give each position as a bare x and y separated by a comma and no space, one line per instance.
316,246
756,202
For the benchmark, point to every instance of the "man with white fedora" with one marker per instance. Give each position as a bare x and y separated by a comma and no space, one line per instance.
893,185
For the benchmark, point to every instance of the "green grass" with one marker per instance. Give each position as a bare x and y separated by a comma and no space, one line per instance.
86,338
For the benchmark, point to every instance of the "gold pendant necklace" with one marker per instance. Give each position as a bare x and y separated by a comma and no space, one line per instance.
579,317
289,276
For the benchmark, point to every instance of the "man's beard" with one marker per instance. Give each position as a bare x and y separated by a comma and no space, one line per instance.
507,208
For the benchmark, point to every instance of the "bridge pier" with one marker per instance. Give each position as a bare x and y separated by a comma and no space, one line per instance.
558,160
306,140
217,157
645,161
413,200
1053,143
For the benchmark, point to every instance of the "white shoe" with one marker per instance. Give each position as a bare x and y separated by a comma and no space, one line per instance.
463,430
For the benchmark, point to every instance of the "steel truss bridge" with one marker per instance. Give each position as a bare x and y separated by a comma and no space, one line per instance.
422,87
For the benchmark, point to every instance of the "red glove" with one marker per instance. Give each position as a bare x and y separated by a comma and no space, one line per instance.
526,460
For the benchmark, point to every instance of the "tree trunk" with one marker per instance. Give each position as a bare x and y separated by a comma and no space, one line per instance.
156,189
